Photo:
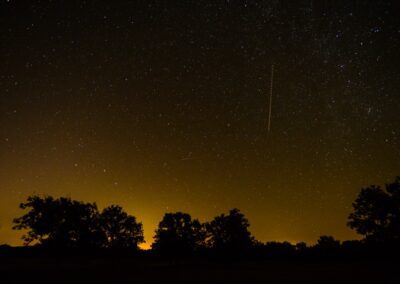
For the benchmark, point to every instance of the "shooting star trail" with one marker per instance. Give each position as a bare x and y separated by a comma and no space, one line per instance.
270,97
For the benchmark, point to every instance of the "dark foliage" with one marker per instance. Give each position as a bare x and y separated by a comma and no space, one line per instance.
376,213
178,234
66,223
328,243
120,229
278,250
230,232
59,222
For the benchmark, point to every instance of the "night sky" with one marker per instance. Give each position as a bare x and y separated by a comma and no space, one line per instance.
162,106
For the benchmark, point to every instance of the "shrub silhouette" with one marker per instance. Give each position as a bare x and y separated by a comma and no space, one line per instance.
178,234
66,223
229,232
376,213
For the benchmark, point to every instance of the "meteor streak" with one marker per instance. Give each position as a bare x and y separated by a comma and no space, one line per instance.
270,97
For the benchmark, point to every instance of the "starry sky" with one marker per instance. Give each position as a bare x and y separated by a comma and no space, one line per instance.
162,106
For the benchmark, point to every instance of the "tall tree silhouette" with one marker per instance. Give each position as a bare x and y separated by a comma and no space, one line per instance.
177,233
376,213
121,230
230,232
59,222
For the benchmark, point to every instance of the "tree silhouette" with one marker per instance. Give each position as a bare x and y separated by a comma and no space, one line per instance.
121,230
278,249
328,243
66,223
230,232
301,246
59,222
376,213
177,233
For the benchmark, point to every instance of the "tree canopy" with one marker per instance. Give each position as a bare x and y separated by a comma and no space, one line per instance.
376,213
120,229
59,222
328,243
230,232
68,223
178,233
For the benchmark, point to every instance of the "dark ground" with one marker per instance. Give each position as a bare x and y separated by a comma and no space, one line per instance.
128,270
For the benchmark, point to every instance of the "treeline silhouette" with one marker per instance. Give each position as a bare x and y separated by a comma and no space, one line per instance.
65,224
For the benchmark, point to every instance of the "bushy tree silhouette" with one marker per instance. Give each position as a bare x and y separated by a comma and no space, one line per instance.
376,213
59,222
178,234
120,229
66,223
229,232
